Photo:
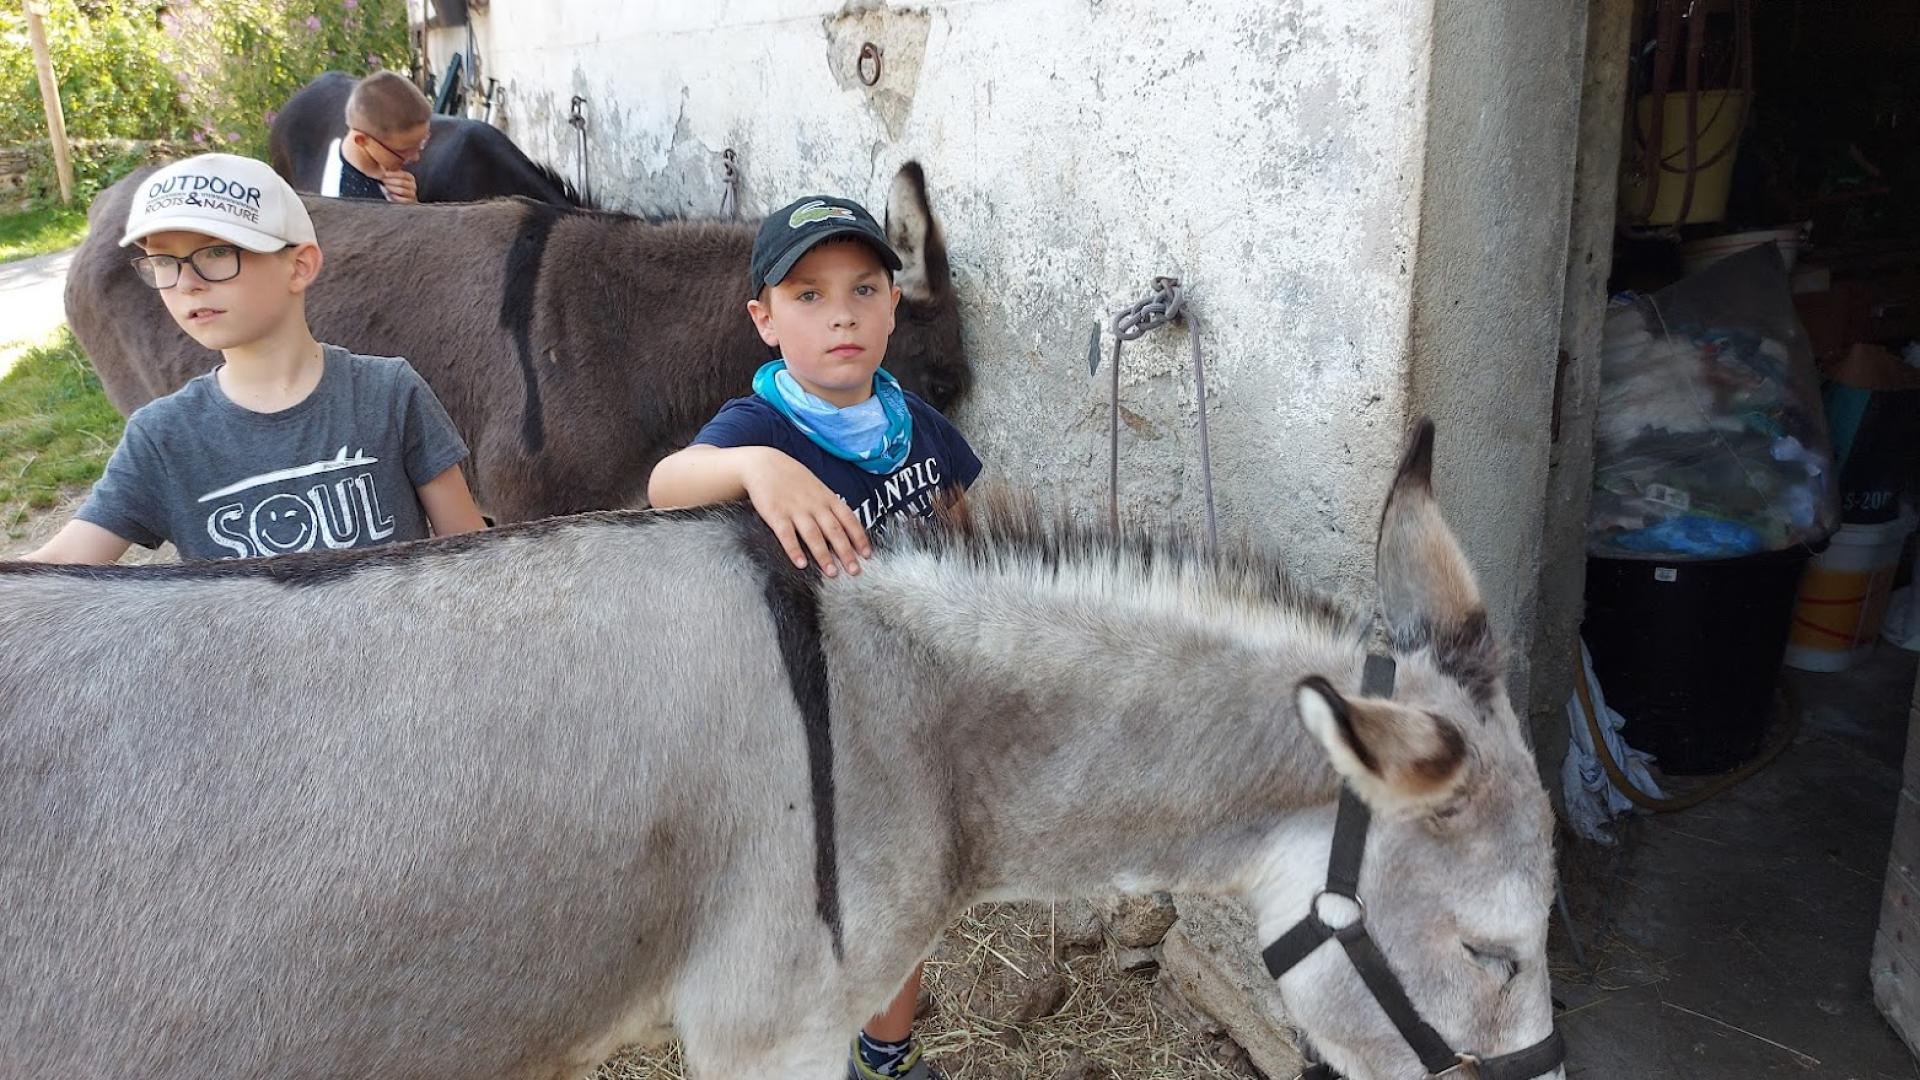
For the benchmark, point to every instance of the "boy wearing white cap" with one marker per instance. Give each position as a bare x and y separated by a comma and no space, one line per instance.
289,445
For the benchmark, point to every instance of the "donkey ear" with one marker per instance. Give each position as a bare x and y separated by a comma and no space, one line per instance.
1400,761
1428,595
915,235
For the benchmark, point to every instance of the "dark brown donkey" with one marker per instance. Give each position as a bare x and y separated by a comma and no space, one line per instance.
574,348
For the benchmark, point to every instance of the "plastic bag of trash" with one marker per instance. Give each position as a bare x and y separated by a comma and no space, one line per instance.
1709,437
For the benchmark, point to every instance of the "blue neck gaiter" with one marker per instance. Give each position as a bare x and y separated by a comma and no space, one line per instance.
875,435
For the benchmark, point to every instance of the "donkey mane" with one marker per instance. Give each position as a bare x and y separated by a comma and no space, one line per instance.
567,190
1002,530
676,219
1006,529
326,567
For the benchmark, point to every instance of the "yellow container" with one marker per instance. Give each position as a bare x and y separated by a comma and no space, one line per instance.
1717,119
1843,597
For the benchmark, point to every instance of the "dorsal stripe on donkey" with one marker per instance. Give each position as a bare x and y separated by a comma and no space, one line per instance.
520,289
795,608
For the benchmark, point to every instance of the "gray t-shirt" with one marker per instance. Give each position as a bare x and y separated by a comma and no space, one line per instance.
338,470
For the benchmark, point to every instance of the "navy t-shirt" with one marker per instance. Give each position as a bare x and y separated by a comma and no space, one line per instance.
939,459
340,180
355,184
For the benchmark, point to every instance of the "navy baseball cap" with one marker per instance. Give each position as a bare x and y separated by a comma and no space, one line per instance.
794,229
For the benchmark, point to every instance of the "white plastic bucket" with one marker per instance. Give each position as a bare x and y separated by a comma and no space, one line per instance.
1843,597
1697,255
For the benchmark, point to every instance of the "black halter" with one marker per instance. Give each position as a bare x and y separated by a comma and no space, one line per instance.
1343,880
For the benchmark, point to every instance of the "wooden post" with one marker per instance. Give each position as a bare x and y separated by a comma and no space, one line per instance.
50,97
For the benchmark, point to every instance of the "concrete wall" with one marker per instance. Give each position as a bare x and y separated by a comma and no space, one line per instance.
1269,154
1502,122
1570,472
1367,199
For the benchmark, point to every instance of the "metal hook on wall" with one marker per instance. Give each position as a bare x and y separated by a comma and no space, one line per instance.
577,119
730,181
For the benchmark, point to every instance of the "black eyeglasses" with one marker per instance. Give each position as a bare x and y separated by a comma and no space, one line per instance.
411,157
215,262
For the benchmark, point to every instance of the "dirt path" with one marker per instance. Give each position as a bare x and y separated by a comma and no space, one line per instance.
32,303
39,526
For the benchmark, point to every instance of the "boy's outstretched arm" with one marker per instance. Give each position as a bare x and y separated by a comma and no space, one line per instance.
449,504
803,512
80,542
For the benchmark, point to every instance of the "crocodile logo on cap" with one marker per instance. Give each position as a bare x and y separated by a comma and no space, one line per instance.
817,210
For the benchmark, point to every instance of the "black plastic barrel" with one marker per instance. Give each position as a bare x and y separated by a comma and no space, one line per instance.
1688,652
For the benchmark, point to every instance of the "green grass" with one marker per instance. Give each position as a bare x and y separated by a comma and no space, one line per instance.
56,429
38,231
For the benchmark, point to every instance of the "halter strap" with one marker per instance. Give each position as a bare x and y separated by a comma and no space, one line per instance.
1343,879
1377,678
1544,1056
1349,846
1434,1053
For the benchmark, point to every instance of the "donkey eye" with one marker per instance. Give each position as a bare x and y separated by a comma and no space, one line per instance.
1498,962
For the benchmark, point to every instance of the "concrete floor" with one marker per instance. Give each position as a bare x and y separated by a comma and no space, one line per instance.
1732,940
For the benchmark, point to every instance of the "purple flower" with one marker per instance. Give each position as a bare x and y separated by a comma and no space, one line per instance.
351,4
268,117
313,22
199,136
233,136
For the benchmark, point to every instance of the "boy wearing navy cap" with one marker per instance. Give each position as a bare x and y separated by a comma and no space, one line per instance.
828,448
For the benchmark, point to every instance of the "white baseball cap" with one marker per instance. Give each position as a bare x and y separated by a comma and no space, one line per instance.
236,199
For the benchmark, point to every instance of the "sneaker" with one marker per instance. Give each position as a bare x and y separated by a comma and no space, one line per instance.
917,1068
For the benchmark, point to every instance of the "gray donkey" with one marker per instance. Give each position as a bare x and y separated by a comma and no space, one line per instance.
498,804
573,348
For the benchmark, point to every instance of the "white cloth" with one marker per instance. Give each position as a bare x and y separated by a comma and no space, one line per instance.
1591,799
330,179
1902,626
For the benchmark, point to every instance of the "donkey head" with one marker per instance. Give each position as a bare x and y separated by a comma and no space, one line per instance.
925,352
1457,873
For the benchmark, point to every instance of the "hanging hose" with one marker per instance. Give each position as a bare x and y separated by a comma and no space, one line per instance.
1789,727
1164,303
1670,19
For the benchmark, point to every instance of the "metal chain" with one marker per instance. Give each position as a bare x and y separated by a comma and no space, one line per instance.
1164,303
730,181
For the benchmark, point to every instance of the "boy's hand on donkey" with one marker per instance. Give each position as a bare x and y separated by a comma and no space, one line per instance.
806,515
401,186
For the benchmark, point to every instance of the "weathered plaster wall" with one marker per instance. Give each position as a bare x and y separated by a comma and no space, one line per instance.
1502,123
1269,154
1369,202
